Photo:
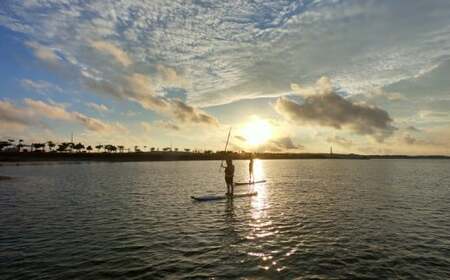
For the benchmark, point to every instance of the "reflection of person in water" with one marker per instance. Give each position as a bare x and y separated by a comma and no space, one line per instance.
229,210
231,235
251,178
229,174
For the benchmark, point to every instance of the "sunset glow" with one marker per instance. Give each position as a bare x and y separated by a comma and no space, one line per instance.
143,74
257,132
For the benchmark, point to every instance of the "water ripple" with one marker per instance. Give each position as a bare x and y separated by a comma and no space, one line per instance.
313,219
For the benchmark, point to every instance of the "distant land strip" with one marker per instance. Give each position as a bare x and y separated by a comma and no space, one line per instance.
187,156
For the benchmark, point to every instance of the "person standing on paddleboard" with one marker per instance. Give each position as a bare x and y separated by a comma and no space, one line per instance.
251,178
229,174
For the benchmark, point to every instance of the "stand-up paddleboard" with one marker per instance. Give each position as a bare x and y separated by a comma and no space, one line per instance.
249,183
222,196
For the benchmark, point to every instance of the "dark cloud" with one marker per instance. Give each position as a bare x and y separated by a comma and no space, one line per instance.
322,106
282,144
186,113
286,143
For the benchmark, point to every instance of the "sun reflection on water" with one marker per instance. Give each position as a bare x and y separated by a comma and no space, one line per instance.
263,232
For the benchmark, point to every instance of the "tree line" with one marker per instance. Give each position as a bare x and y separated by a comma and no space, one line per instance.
12,145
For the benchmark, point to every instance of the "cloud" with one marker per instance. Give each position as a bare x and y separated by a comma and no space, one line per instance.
170,76
40,86
98,107
413,128
139,88
282,144
340,141
14,118
187,113
432,83
409,139
111,49
324,107
229,52
427,114
148,127
286,143
37,110
57,111
44,53
167,125
248,49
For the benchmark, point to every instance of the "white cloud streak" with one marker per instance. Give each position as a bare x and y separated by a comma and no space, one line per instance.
40,86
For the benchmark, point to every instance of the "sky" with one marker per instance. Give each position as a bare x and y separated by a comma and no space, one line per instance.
367,77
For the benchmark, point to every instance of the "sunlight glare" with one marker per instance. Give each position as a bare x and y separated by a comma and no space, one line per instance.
257,132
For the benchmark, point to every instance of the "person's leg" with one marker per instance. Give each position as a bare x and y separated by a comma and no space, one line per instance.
232,186
228,186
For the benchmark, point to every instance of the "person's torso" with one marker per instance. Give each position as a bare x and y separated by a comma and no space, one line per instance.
229,171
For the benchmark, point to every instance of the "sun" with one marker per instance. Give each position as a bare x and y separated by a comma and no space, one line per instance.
257,132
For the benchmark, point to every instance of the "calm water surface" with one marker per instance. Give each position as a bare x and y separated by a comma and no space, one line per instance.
321,219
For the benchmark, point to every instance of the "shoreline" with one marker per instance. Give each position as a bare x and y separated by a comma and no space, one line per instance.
11,158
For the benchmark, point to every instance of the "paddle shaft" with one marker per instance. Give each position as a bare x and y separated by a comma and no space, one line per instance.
226,146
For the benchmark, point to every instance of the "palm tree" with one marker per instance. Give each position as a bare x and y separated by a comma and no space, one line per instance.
121,148
51,145
4,144
64,146
61,147
78,147
99,147
110,148
89,148
20,145
38,147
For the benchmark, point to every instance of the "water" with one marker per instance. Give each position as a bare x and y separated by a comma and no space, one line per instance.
332,219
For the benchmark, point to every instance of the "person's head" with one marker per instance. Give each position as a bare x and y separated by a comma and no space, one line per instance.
229,162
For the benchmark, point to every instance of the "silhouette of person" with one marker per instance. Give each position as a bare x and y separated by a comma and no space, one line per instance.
229,174
251,178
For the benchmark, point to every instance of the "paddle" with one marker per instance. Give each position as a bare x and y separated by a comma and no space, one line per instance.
225,150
